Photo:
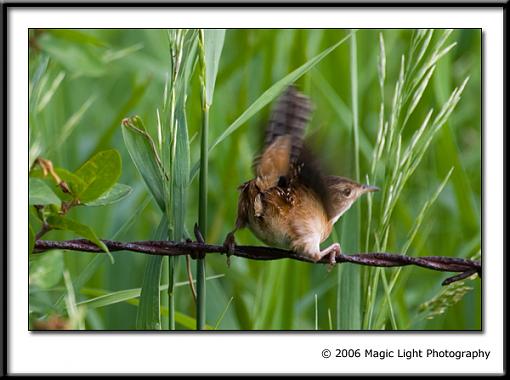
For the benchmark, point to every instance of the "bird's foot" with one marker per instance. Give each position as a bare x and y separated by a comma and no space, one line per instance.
331,252
230,245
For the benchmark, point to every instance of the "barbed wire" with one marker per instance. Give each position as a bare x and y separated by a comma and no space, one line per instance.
464,267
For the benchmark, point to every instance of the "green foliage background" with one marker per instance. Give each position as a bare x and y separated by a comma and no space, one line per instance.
95,78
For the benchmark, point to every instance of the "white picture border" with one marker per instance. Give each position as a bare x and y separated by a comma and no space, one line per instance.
246,352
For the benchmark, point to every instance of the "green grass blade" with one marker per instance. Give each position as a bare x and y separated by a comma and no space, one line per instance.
213,45
218,322
48,95
178,191
103,298
143,152
412,234
204,162
350,282
181,319
354,97
183,53
316,312
70,125
271,93
349,298
148,316
180,174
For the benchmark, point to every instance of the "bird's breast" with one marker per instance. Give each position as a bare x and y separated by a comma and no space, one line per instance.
279,217
268,217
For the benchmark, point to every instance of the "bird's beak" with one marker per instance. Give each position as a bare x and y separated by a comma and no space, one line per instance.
370,188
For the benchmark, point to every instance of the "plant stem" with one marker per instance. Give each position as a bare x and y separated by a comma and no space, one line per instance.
202,220
171,230
171,298
164,300
355,126
350,312
202,202
354,96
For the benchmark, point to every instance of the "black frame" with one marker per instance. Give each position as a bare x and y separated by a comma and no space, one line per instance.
223,4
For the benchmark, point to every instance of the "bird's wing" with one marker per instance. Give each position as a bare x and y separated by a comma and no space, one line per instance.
286,160
284,138
309,174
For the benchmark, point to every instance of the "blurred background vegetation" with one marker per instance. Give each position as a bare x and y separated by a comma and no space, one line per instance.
94,78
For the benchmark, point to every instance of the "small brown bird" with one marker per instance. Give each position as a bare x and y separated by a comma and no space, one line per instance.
291,203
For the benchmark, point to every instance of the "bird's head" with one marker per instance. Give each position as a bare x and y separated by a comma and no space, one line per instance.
344,192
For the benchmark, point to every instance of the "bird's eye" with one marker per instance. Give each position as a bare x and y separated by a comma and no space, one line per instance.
347,192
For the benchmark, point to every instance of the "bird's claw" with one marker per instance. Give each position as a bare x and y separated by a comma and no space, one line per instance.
332,262
229,244
332,256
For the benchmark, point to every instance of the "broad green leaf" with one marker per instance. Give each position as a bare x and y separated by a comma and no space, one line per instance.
99,173
149,316
269,95
31,239
115,194
39,193
143,152
213,44
46,269
75,184
60,223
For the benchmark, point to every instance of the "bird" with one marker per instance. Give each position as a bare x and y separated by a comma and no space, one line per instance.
291,203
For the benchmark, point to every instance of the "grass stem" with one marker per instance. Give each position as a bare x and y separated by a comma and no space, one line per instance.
202,201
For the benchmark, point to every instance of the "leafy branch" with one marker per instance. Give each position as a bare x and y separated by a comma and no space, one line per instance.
93,184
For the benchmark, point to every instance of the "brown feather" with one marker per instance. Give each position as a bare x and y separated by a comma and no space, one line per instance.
284,137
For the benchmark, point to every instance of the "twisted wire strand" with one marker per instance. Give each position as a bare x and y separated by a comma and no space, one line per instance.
464,267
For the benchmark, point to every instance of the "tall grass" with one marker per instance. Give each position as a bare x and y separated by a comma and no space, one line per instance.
392,108
394,161
175,143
